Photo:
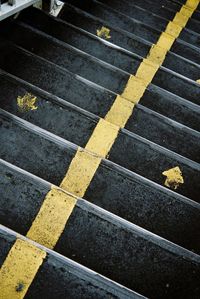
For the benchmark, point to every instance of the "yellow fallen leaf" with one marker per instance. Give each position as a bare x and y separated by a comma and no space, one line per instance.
174,177
27,102
104,32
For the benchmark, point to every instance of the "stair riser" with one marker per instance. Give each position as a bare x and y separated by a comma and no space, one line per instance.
99,49
83,19
129,151
158,21
165,12
77,127
59,278
164,9
107,13
122,34
124,253
171,106
98,73
128,196
150,27
194,23
98,101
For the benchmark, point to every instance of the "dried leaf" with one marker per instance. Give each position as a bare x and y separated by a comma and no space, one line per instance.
27,102
104,32
174,177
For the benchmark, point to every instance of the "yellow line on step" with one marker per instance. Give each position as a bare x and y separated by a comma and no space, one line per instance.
24,260
52,217
80,172
19,269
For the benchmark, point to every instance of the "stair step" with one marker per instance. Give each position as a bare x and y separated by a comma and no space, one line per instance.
114,189
161,9
95,46
142,15
97,99
194,24
118,23
124,252
164,8
181,2
59,277
138,28
120,37
129,150
166,3
91,69
165,11
54,115
126,17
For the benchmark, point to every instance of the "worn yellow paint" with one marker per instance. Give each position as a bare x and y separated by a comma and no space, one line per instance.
157,54
174,177
134,89
19,269
102,138
52,217
173,29
80,172
147,71
192,4
120,112
180,19
186,11
104,32
27,102
165,41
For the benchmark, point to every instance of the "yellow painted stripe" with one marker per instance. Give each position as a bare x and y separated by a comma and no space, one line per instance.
180,19
52,217
134,89
80,172
192,4
157,54
173,29
147,71
186,11
19,269
120,111
58,206
102,138
165,41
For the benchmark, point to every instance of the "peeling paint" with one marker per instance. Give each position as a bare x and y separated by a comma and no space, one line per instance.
104,32
174,177
27,102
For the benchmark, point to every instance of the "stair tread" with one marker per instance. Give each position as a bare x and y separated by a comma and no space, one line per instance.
113,230
61,277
